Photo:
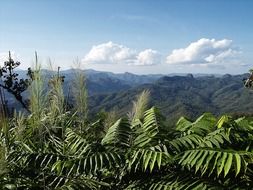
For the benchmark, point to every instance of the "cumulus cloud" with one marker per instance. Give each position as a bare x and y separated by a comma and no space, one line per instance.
109,53
148,57
204,51
112,53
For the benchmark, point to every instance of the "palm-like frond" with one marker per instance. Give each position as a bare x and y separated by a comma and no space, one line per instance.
245,124
216,138
75,144
147,131
216,161
118,134
186,142
91,164
183,124
83,183
204,124
182,181
149,158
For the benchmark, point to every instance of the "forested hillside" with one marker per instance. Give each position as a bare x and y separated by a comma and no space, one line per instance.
185,95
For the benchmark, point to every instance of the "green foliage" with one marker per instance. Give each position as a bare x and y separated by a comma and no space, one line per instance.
118,134
80,95
139,106
130,156
52,148
11,82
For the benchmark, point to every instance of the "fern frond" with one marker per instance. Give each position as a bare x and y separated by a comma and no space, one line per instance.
216,138
75,144
181,182
88,165
183,124
244,124
204,124
118,134
216,161
84,182
149,158
148,129
186,142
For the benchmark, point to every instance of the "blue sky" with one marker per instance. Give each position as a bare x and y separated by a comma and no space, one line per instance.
140,36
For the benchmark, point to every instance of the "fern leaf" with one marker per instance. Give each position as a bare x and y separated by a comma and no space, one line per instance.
148,130
221,161
204,124
238,163
183,124
118,134
228,164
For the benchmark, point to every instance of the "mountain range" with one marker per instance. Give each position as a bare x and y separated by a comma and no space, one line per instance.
187,96
175,95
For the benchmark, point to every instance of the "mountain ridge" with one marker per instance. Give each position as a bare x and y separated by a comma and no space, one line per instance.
184,95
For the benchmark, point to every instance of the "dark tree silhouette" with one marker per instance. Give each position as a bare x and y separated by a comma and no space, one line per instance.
11,82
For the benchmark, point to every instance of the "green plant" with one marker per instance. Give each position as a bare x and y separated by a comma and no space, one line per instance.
10,81
54,148
80,95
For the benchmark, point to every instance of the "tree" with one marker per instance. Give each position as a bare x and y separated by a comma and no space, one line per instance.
10,80
248,83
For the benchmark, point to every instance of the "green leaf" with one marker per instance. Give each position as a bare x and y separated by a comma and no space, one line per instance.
199,163
209,158
221,163
147,157
159,159
238,163
203,125
196,158
215,162
154,157
186,154
183,124
57,167
222,120
118,134
228,164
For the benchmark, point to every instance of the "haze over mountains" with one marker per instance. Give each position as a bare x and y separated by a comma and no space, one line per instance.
185,95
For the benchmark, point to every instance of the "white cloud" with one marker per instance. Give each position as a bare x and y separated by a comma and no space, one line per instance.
148,57
4,56
112,53
204,51
109,53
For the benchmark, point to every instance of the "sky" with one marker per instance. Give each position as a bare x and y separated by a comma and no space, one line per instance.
138,36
